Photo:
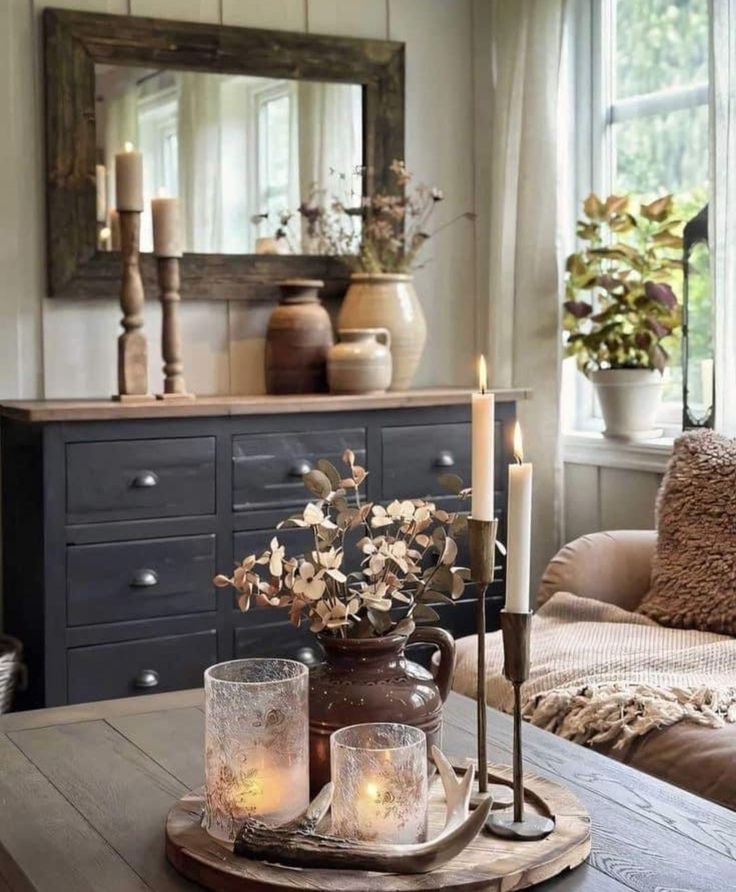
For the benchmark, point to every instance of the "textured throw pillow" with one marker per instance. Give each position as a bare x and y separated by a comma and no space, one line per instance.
694,571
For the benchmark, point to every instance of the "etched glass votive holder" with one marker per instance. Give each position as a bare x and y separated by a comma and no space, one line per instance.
379,779
256,743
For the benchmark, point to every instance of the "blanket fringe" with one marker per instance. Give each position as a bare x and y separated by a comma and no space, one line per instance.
621,713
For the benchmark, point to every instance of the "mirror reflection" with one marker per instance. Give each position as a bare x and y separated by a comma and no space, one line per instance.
238,151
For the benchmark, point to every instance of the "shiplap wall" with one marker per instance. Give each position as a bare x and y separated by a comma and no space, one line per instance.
66,349
600,498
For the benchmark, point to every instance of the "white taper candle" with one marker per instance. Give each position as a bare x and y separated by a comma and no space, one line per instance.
519,529
483,411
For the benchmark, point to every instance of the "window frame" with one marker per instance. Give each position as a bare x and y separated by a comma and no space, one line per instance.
597,111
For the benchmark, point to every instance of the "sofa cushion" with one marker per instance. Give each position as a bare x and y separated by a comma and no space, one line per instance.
694,569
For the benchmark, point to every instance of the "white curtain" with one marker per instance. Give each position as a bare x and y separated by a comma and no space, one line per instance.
527,141
722,213
199,139
330,138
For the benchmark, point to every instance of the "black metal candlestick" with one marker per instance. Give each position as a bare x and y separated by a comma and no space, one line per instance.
482,540
518,823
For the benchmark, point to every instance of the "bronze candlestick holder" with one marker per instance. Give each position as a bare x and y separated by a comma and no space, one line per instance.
132,345
175,388
518,823
482,541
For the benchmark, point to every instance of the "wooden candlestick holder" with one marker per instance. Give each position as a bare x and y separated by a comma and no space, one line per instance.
482,542
169,282
132,345
517,823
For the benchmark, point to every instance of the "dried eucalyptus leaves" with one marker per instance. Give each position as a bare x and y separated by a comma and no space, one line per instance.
406,556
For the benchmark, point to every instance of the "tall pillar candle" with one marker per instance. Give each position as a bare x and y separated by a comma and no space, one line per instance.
483,412
129,179
519,526
166,235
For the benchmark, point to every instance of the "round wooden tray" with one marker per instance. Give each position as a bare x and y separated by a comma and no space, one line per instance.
488,863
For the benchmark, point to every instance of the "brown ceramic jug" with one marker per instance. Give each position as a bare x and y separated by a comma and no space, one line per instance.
370,680
297,340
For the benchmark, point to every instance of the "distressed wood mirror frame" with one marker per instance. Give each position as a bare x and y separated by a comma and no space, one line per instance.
75,41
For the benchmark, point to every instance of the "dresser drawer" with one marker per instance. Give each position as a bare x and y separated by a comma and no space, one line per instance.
140,579
415,457
282,640
268,468
136,479
151,666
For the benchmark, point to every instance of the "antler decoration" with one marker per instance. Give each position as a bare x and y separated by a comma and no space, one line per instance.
298,844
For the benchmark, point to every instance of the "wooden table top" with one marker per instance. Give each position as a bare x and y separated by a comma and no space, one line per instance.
203,406
85,791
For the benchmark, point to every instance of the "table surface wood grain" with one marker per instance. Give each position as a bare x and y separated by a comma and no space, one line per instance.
85,791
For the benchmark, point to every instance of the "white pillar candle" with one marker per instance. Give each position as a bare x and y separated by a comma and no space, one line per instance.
519,526
101,183
481,507
129,179
166,232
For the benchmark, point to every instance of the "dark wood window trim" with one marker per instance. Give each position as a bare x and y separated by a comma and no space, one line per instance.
75,41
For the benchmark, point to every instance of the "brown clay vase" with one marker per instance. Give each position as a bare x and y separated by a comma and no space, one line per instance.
298,337
370,680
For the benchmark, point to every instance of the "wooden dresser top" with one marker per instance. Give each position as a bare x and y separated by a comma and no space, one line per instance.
105,410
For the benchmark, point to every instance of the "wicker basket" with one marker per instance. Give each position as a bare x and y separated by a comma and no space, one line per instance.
11,669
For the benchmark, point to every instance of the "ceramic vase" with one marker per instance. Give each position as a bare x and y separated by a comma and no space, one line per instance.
388,300
297,340
629,399
371,680
360,362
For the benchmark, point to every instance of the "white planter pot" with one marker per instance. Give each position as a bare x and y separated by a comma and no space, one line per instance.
629,399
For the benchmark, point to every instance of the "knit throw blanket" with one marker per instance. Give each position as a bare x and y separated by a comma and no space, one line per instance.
600,674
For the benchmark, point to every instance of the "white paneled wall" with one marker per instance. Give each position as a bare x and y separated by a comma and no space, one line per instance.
599,498
67,348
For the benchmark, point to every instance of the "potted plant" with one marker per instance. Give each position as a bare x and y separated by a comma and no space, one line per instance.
620,307
404,556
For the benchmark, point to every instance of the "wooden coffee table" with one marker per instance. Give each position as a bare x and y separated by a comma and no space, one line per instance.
85,791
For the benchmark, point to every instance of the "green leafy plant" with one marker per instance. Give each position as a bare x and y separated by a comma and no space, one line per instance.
620,305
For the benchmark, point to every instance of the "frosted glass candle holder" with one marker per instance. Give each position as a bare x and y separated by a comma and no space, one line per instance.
379,778
256,743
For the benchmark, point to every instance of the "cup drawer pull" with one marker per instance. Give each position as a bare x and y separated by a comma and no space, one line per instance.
146,678
300,468
146,480
445,459
144,579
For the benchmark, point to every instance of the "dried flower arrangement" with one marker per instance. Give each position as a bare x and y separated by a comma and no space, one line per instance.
380,233
408,555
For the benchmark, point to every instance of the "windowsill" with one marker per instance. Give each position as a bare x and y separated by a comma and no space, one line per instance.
592,448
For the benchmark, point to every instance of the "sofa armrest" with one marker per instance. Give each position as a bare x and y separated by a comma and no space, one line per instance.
614,567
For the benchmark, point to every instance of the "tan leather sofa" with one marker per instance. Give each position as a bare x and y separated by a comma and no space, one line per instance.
615,567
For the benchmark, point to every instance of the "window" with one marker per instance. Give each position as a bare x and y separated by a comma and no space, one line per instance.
642,129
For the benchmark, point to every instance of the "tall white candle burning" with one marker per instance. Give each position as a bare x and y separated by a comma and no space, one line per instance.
129,179
481,507
519,530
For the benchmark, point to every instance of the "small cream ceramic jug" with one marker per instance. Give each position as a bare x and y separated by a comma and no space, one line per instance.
361,362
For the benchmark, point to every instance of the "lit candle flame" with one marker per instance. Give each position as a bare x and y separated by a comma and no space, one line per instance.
161,192
518,446
482,374
128,146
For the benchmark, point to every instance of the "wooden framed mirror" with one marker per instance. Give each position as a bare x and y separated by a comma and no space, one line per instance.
350,91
